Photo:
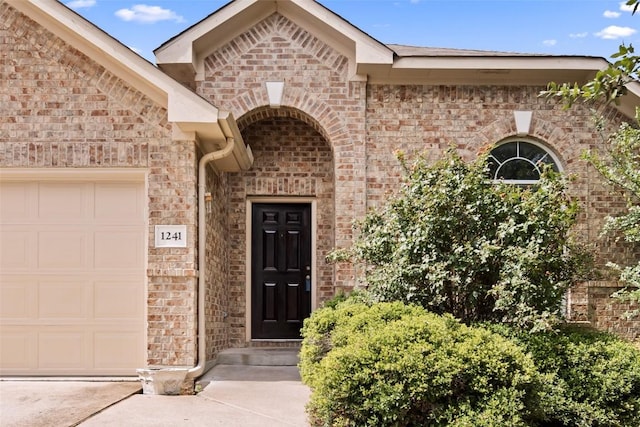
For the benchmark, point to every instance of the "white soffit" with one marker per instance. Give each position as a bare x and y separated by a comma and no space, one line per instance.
531,70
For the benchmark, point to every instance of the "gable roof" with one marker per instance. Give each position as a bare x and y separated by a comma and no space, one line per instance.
191,113
183,55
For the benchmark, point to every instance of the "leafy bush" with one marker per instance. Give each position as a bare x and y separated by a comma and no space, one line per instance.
455,242
622,169
390,364
588,378
620,162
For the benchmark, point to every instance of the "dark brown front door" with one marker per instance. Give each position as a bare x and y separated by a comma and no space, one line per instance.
281,270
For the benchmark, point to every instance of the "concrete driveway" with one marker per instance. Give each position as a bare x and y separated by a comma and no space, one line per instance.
52,403
242,396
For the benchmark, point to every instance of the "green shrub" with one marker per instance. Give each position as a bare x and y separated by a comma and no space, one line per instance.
454,242
391,364
588,378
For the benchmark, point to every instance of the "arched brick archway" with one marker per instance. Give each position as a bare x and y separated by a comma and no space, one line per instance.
294,163
344,140
253,105
265,112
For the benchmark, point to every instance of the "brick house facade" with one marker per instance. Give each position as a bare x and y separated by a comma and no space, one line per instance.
323,108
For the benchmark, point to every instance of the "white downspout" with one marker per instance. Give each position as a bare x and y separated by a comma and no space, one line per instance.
197,370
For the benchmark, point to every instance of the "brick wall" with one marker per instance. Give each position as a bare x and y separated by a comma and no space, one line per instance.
428,119
611,314
364,125
172,272
217,307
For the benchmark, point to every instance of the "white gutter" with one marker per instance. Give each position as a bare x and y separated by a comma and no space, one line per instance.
198,370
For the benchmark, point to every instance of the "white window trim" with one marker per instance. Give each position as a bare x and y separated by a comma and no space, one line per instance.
549,152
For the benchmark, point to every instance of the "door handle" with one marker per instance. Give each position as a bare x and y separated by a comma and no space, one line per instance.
307,283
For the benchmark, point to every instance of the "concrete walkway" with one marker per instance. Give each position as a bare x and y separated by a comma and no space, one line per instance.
233,395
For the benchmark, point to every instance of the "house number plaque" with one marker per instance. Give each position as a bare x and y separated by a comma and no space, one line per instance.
171,236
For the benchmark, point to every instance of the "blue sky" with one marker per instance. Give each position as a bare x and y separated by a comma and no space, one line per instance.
556,27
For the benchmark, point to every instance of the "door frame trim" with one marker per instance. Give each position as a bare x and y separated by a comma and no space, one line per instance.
290,200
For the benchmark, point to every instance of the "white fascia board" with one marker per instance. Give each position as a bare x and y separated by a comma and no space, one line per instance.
186,106
194,114
365,54
367,49
242,154
179,51
501,63
180,48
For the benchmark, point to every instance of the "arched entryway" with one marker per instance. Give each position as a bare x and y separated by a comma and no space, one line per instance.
282,226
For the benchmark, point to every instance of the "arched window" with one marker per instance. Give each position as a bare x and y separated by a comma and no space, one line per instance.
520,162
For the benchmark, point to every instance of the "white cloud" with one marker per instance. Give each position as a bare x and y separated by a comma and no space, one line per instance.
550,42
626,8
611,14
79,4
578,35
614,32
148,14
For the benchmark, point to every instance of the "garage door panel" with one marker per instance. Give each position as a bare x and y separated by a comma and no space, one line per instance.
118,201
63,349
111,349
17,350
17,297
63,249
16,201
67,300
68,201
118,299
16,249
119,248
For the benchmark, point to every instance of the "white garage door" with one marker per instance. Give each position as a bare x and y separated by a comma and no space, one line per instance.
72,277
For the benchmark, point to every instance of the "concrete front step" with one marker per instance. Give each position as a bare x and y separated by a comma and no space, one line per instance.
259,356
